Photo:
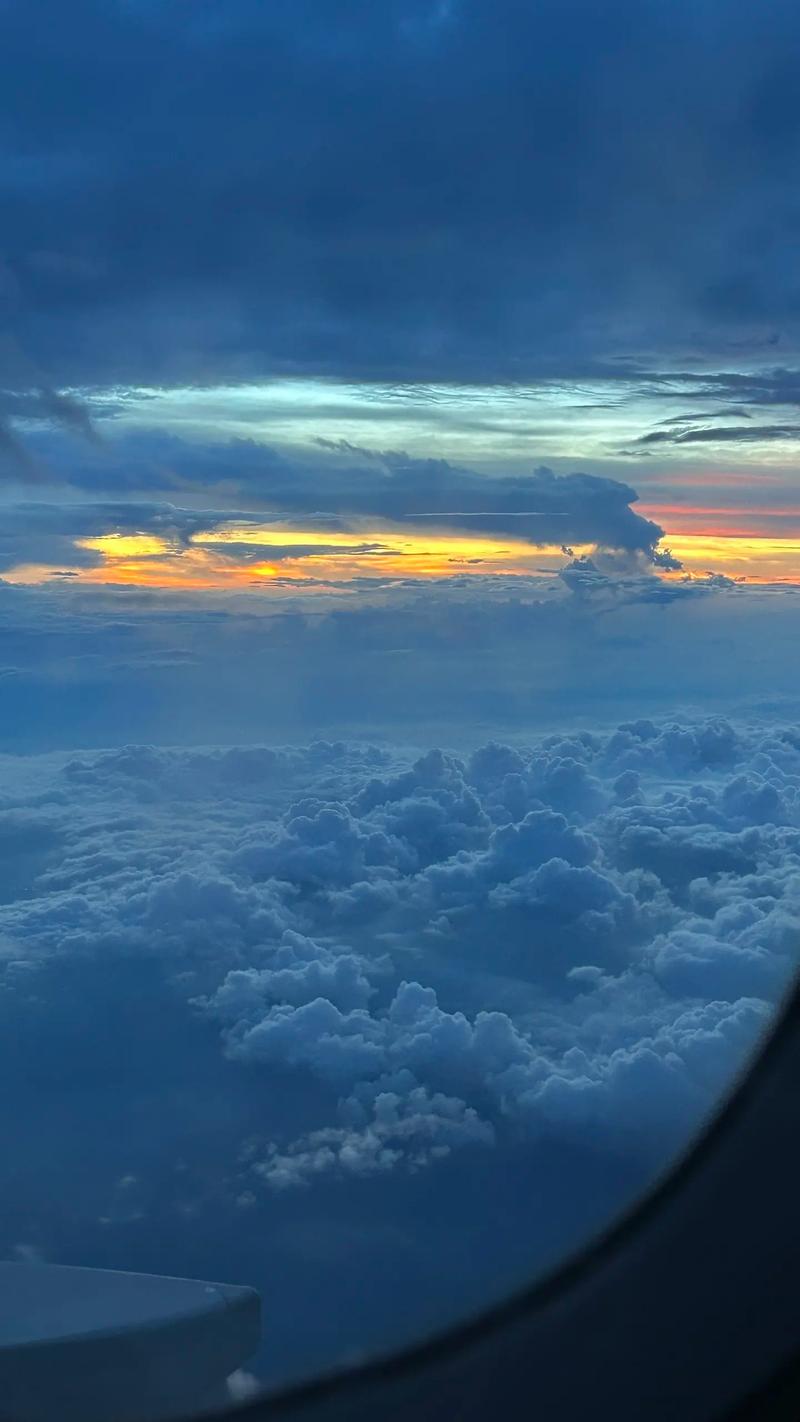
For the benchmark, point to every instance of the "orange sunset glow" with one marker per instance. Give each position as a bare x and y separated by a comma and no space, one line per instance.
705,538
231,557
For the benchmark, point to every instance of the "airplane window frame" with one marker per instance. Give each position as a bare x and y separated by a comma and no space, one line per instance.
685,1310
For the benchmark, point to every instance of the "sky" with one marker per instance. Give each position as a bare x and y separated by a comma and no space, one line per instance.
251,246
399,604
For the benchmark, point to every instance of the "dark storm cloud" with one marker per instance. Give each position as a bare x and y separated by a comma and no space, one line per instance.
540,507
47,532
404,189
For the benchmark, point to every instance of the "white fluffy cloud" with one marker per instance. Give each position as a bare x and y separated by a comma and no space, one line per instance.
578,938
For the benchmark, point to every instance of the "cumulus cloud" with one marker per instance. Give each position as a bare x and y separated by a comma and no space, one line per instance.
417,1130
300,971
344,996
349,915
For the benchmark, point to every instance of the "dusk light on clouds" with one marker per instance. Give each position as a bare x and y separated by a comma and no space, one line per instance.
399,613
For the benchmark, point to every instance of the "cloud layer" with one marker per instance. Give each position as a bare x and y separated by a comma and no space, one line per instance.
378,911
403,963
532,220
